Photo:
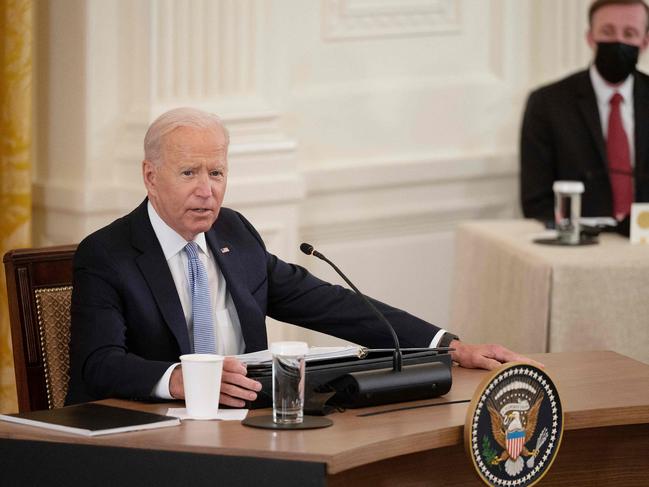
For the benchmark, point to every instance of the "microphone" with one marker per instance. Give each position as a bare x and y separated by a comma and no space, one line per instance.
397,357
383,386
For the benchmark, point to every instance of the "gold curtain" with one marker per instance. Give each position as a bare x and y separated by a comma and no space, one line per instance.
16,24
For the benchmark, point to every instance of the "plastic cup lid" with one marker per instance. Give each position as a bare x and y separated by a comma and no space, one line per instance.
575,187
291,349
201,357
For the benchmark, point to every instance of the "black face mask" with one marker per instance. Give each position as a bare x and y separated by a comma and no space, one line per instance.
616,60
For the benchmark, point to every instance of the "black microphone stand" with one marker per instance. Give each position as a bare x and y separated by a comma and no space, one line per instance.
375,387
397,359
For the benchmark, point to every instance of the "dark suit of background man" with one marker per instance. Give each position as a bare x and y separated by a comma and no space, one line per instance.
567,126
132,305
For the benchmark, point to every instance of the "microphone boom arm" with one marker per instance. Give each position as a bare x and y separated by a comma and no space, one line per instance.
373,387
397,357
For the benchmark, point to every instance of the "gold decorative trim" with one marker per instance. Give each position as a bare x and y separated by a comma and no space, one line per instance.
43,338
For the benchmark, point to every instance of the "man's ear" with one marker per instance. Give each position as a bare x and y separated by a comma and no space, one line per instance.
149,175
591,41
645,42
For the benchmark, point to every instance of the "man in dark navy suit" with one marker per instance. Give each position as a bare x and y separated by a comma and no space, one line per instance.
134,305
593,126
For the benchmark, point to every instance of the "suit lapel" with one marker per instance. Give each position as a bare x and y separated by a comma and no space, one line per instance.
590,112
253,326
641,116
156,272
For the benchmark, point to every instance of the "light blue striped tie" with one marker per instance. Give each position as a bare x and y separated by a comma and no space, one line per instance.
204,341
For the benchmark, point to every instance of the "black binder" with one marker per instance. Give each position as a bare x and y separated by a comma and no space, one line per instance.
323,377
92,419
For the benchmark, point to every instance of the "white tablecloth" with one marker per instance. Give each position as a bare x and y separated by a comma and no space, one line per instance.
538,298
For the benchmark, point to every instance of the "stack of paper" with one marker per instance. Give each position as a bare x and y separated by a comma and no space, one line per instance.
315,354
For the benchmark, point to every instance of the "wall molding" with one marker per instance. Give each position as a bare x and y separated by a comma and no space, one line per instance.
113,198
444,217
407,170
281,186
412,195
365,198
362,19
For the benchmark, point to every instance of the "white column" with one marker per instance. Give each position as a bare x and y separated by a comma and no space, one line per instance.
559,38
203,49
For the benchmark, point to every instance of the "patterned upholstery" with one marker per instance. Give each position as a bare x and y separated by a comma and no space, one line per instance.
39,292
53,315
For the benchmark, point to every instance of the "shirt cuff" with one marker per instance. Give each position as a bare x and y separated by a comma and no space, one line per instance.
161,389
438,336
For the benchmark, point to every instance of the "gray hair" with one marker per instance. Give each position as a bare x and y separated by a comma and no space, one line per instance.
171,120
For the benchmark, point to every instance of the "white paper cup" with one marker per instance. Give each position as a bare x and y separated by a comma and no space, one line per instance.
202,382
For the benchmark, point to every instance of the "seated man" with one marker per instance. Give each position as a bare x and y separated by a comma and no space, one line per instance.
594,125
182,274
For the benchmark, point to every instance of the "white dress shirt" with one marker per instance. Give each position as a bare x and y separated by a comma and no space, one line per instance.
227,329
603,93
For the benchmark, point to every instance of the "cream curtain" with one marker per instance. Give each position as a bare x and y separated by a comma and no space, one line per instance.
16,23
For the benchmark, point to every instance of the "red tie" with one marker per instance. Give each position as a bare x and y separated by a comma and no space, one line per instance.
619,161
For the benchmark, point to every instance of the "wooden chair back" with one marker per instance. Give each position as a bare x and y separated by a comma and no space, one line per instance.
39,290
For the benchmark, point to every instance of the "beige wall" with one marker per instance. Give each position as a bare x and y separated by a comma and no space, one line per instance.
367,127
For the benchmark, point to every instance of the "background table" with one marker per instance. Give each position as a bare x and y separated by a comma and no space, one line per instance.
606,411
539,298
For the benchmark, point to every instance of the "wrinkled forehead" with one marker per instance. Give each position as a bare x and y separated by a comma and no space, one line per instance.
192,142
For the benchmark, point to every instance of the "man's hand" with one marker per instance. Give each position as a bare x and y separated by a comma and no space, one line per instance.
235,386
488,357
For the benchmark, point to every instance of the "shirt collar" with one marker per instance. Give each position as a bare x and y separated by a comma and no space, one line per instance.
170,241
604,91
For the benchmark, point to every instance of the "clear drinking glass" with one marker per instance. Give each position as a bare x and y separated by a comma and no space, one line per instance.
567,210
288,381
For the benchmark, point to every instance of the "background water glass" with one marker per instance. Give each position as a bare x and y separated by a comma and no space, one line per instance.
567,210
288,381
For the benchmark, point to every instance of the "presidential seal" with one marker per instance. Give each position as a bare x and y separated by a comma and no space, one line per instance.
514,426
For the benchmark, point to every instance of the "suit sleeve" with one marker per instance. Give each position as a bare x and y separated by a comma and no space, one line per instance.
537,160
101,364
296,296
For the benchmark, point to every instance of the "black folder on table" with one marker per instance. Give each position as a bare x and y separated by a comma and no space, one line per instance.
92,419
321,373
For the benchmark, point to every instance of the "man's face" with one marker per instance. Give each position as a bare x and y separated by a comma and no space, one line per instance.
619,23
187,187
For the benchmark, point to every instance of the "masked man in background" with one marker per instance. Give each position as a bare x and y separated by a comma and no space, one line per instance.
593,126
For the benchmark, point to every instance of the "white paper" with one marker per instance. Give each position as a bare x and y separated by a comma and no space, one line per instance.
260,357
315,354
221,415
327,353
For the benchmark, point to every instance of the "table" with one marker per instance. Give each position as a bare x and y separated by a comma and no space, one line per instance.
539,298
606,405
